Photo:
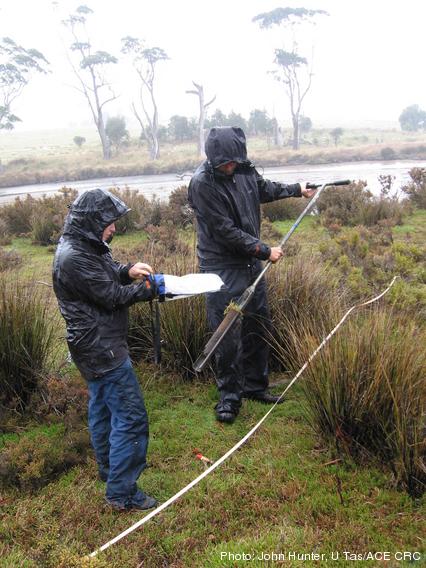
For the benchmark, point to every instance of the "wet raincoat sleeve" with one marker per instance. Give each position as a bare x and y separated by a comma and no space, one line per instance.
90,280
123,271
215,213
271,190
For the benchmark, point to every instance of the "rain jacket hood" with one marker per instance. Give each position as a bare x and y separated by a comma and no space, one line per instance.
227,207
94,291
227,144
91,213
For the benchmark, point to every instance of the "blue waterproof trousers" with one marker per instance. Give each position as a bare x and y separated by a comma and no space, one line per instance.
118,424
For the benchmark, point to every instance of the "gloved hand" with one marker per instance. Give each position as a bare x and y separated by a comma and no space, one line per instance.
158,285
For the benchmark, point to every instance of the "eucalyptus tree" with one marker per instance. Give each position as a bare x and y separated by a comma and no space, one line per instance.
145,60
259,122
203,106
336,134
79,140
17,66
89,67
181,128
293,69
217,118
117,132
413,118
235,119
305,124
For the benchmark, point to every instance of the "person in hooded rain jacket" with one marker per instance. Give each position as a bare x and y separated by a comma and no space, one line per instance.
225,193
94,293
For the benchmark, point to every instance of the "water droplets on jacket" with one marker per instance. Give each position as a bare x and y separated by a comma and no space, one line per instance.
94,291
91,213
227,208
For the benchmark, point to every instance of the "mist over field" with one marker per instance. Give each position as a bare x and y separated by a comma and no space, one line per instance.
365,59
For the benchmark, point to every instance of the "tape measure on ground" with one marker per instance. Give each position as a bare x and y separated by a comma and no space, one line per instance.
229,453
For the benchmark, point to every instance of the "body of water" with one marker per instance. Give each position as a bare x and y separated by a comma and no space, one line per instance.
163,184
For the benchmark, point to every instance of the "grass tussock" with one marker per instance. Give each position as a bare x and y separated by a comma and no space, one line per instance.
9,260
26,340
366,393
185,332
5,237
302,295
183,322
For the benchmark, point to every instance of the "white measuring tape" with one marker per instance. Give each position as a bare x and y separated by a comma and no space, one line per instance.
217,463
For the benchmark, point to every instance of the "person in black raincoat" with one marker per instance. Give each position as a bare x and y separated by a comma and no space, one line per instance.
94,293
225,194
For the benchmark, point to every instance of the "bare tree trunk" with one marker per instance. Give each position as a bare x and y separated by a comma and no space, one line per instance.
296,97
295,120
141,124
106,145
278,137
155,147
202,114
96,109
151,131
292,85
91,91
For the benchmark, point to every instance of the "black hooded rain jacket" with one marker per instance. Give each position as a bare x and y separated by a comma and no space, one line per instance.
93,290
228,207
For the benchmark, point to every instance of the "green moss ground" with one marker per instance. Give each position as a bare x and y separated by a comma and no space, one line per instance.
279,493
282,492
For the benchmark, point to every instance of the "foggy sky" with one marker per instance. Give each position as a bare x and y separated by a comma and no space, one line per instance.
368,62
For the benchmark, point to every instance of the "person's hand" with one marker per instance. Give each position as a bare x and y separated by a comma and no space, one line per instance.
140,270
276,254
307,192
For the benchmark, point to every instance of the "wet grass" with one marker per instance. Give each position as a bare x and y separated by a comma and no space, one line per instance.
413,229
284,491
307,236
279,493
37,260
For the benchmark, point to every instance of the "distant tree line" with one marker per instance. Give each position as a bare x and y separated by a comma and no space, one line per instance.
90,67
182,129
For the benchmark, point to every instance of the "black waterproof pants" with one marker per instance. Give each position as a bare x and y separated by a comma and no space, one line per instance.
242,357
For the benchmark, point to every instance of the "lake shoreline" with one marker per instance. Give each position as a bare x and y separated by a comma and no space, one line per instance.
32,174
161,185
